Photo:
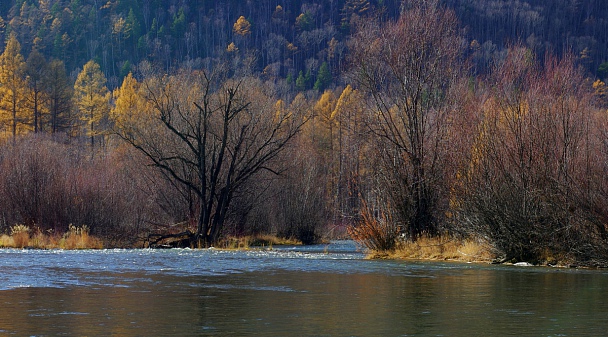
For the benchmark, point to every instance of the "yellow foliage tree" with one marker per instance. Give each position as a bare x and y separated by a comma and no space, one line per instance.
129,106
600,90
91,97
242,26
12,86
232,48
325,119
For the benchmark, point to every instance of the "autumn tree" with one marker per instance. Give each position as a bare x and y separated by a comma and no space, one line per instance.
12,85
211,135
128,103
242,30
407,68
242,26
335,137
91,98
36,73
59,93
351,140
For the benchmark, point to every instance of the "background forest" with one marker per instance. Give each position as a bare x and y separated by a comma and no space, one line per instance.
467,118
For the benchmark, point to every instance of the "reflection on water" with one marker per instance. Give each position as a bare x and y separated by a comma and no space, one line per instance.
313,291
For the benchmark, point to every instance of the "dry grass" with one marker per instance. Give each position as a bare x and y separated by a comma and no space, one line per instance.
247,242
79,238
75,238
21,236
6,241
440,248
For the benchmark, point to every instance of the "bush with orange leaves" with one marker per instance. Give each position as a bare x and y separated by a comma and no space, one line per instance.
376,231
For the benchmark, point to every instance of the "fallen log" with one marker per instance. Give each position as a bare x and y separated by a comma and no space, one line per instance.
179,240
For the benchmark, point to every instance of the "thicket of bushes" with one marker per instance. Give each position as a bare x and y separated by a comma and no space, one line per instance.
516,159
49,184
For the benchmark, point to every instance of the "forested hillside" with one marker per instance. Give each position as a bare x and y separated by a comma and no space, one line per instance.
388,121
280,38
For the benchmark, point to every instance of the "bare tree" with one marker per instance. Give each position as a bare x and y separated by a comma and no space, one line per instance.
407,67
211,135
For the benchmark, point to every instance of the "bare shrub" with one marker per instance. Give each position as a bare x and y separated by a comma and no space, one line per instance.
48,184
302,211
376,231
528,187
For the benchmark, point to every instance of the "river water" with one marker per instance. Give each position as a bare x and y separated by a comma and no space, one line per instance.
326,290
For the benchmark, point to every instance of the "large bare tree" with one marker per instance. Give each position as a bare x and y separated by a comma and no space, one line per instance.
211,135
407,67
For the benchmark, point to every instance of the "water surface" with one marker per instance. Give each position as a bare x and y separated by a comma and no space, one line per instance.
326,290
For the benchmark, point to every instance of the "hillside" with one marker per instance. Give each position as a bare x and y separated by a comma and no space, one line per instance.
280,38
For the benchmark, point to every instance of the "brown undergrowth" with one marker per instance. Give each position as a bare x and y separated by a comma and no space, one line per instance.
22,236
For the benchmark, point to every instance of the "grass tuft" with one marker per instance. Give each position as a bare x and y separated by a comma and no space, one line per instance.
21,236
79,238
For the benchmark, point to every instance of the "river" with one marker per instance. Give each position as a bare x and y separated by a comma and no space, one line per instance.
325,290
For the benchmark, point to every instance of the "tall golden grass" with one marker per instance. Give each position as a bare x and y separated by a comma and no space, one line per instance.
21,236
79,238
439,248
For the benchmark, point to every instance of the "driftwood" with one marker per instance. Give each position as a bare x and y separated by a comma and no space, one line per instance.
179,240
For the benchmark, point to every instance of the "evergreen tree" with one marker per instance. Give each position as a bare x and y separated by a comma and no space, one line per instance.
301,82
323,77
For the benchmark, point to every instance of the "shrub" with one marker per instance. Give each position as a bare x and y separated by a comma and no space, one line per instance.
376,232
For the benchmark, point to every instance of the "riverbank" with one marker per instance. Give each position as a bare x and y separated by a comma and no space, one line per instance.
451,249
438,249
22,236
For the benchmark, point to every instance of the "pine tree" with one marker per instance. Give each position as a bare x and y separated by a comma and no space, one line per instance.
323,77
301,82
91,97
